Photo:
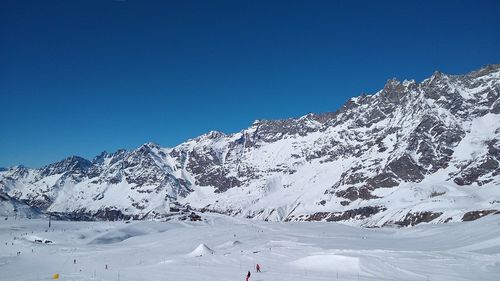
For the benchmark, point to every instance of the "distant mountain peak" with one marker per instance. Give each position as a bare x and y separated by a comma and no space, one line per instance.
411,153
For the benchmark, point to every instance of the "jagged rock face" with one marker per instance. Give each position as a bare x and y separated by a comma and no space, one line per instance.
379,160
71,165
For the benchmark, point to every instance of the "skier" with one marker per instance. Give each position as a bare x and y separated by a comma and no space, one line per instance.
257,267
248,276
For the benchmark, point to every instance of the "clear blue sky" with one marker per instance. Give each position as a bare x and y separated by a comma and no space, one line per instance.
80,77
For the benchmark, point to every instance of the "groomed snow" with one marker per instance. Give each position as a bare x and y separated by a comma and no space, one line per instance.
148,250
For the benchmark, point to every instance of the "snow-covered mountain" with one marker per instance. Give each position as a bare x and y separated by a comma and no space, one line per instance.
10,207
411,153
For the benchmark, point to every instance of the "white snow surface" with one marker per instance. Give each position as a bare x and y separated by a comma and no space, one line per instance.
201,250
153,250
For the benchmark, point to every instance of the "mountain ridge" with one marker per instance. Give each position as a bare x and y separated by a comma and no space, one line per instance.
410,153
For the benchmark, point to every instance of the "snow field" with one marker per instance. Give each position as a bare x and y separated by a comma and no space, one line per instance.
225,248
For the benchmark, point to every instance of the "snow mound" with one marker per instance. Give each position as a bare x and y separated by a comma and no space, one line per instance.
229,244
201,250
334,263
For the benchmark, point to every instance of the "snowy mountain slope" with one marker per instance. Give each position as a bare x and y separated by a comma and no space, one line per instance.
411,153
10,207
229,247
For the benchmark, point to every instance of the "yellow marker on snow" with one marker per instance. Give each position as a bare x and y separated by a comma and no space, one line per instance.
56,276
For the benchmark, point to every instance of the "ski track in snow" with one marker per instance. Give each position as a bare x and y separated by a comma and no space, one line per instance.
225,248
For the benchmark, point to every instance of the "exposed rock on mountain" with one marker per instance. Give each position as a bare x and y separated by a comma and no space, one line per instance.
410,153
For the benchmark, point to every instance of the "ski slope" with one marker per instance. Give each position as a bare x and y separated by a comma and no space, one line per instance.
224,248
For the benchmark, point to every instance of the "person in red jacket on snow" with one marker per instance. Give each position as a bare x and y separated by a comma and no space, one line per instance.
257,267
248,275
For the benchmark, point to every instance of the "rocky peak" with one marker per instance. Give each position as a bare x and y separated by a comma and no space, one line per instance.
393,84
101,157
19,171
394,90
436,75
212,135
72,164
147,150
429,146
152,145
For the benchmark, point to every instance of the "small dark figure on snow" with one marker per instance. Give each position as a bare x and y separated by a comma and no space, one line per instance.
74,261
257,267
248,276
